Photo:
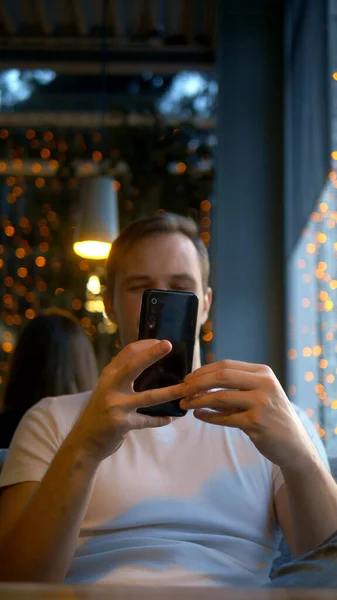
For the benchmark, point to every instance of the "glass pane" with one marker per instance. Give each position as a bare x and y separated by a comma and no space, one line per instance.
312,331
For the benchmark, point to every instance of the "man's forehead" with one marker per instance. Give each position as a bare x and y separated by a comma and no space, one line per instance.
162,238
174,248
160,256
139,277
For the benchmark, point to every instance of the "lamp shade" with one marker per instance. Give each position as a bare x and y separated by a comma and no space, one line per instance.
98,220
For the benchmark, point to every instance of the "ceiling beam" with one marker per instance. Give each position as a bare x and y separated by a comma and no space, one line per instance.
146,22
187,19
210,18
173,17
78,67
79,17
6,19
158,15
116,19
40,11
26,167
91,120
79,56
134,20
23,42
82,167
62,18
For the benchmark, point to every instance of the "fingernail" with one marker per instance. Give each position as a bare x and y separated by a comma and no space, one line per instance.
161,345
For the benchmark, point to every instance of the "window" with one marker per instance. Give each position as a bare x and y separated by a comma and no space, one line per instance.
312,318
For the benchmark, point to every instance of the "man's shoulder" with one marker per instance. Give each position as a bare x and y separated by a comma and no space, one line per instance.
58,411
38,437
68,402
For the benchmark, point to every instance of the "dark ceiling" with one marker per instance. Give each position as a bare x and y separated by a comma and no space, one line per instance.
72,36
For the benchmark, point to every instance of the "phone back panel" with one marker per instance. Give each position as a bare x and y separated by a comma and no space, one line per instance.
168,315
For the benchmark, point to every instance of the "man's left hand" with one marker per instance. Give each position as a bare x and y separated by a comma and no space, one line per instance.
251,399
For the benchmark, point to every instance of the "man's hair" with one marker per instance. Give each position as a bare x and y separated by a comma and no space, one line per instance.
160,223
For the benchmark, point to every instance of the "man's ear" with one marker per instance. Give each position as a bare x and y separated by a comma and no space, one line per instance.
109,307
207,305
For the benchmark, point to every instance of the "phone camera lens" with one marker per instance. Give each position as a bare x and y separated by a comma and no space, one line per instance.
154,301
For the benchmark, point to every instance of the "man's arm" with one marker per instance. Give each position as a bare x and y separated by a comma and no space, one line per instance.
306,505
249,397
39,531
38,545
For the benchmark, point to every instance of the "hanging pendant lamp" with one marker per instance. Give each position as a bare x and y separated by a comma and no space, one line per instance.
98,223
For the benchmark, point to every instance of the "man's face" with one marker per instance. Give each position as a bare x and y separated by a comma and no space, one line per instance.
158,261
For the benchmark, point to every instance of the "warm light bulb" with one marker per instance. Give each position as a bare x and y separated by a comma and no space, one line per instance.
328,305
94,285
92,249
94,306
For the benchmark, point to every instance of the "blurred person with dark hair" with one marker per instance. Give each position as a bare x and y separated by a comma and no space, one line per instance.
52,357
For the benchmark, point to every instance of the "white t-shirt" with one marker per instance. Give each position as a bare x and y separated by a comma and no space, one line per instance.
187,504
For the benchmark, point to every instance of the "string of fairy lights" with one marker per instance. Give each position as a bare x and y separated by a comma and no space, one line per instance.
312,306
312,319
39,174
312,353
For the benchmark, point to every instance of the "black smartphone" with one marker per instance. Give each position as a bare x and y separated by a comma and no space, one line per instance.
168,315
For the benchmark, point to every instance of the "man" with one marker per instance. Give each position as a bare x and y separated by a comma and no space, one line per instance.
94,491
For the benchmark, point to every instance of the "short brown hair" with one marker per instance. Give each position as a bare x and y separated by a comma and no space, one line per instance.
160,223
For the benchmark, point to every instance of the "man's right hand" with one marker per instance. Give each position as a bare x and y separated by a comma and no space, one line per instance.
46,517
112,408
